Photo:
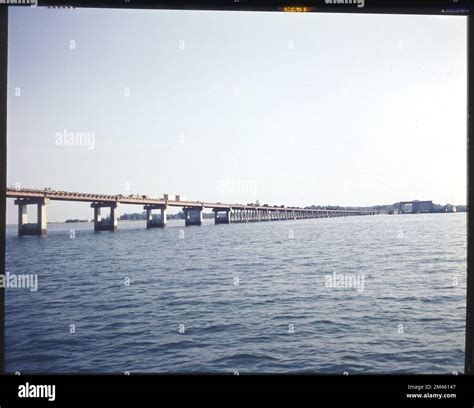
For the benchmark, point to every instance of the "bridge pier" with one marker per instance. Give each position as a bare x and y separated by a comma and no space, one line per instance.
192,216
25,228
251,215
104,225
150,221
225,219
256,215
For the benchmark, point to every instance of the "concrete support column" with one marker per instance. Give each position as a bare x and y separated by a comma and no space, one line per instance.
154,223
113,217
38,228
163,214
42,218
192,216
96,215
105,225
22,217
222,219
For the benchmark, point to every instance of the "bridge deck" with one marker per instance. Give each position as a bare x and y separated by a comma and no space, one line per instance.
145,200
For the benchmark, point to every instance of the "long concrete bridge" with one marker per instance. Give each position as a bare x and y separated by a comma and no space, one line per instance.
223,213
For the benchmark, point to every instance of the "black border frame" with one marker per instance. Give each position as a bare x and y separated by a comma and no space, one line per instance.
73,384
3,168
469,343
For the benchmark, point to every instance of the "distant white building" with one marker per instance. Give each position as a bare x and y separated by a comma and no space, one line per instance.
450,208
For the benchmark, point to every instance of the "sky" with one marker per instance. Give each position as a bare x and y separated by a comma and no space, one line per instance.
283,108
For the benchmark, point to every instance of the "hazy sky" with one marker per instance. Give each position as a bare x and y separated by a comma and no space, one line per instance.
284,108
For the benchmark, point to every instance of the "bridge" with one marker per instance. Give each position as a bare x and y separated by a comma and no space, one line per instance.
223,213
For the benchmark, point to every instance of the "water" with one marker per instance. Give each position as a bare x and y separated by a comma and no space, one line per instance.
249,297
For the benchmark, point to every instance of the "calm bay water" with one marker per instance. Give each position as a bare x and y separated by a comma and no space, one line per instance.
245,297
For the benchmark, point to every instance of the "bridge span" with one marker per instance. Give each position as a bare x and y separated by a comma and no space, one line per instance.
223,213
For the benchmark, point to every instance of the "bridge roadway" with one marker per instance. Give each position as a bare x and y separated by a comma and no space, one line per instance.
223,213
